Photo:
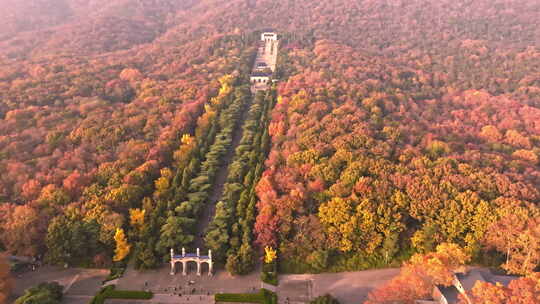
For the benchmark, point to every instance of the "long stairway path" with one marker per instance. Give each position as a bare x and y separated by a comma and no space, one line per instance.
268,55
219,182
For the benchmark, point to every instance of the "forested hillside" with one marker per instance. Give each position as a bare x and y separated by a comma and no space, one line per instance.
84,137
372,162
398,125
69,27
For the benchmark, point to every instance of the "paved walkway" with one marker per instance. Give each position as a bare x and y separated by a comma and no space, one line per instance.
266,53
168,299
79,284
347,287
269,287
74,299
68,286
160,281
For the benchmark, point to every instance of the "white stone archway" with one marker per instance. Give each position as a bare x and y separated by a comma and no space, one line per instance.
191,257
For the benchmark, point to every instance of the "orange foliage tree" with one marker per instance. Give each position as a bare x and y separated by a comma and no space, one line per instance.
418,276
524,290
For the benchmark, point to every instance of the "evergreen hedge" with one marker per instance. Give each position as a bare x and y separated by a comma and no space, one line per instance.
109,292
264,296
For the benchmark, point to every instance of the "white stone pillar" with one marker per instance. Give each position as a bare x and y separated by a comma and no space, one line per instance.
198,266
210,263
184,272
172,261
198,252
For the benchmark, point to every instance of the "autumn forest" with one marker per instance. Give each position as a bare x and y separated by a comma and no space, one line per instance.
394,127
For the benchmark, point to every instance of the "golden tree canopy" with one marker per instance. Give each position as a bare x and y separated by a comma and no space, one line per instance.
270,254
122,246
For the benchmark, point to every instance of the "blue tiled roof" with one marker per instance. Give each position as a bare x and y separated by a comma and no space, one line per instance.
190,255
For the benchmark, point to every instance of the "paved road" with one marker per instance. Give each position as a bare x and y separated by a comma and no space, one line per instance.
347,287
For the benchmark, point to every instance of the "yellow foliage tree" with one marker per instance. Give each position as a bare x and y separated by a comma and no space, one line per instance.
269,254
186,139
136,217
491,133
163,183
122,246
182,155
208,109
225,82
337,217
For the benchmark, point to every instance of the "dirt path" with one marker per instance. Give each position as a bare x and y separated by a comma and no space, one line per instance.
219,182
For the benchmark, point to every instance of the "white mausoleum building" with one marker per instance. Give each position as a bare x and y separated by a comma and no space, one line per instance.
269,36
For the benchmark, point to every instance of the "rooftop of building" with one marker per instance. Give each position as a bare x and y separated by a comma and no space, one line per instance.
190,255
450,293
469,279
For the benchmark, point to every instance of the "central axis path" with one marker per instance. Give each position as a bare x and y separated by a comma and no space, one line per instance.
267,56
219,183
